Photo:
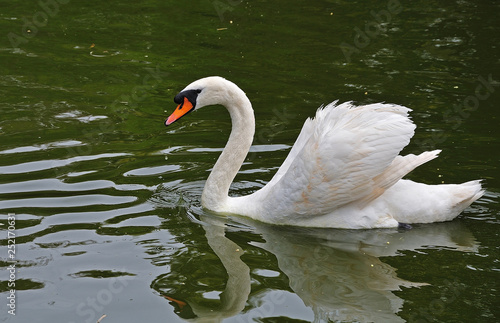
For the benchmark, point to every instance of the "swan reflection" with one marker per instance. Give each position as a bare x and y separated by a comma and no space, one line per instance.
337,274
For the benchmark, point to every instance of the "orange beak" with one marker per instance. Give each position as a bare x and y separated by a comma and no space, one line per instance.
181,110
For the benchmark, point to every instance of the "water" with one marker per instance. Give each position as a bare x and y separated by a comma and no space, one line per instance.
106,199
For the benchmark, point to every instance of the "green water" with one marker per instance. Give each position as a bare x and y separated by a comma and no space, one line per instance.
103,200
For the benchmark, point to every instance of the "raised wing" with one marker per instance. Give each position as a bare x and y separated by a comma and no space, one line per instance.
345,154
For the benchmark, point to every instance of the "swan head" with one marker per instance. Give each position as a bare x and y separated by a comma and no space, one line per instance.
206,91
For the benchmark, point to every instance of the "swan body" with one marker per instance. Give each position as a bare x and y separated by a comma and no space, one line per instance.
344,170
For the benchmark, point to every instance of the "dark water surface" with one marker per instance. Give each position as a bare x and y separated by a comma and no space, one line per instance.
103,200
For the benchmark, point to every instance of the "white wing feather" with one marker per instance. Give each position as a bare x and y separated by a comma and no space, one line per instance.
340,157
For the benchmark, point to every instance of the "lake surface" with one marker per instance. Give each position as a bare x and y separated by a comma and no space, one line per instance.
102,201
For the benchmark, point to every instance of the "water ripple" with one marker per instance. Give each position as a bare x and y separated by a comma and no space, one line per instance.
53,184
57,144
39,165
67,201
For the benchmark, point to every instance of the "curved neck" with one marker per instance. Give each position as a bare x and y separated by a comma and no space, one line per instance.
216,190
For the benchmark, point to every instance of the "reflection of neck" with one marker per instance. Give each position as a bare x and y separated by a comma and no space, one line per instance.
237,289
215,193
235,295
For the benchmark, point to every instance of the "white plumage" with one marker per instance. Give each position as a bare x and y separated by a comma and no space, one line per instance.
344,170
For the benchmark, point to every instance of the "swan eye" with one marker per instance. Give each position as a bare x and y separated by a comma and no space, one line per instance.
191,95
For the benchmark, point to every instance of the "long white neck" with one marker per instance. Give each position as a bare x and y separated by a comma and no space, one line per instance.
215,193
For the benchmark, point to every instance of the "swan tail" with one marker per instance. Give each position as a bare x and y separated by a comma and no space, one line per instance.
413,202
399,167
460,197
465,194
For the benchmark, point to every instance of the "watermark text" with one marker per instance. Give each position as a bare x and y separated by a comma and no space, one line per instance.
11,259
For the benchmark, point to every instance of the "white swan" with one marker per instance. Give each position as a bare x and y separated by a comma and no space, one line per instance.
343,171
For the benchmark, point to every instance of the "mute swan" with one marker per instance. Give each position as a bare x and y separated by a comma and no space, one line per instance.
343,171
